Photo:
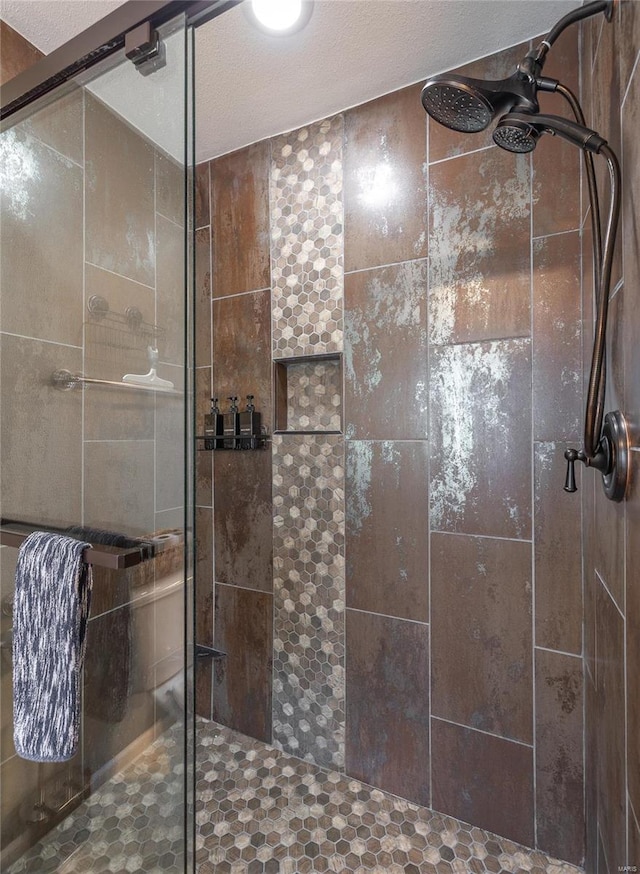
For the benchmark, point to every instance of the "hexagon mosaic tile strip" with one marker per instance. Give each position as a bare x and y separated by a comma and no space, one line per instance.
309,593
260,811
307,243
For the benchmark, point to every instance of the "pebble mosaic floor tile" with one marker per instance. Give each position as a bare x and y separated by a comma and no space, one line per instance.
260,811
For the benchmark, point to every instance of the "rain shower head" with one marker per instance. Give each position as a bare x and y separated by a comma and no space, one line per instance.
470,105
520,132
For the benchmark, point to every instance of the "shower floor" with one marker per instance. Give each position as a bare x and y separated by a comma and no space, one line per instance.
259,811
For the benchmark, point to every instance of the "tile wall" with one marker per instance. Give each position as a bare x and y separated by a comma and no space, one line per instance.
102,458
425,591
611,90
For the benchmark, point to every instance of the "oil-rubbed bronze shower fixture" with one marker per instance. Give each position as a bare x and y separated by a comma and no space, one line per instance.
470,105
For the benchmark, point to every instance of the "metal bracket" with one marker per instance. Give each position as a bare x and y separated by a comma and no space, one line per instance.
143,47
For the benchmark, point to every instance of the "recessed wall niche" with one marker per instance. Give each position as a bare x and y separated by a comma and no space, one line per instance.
308,395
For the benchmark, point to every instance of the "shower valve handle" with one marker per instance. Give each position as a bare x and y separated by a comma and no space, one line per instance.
572,455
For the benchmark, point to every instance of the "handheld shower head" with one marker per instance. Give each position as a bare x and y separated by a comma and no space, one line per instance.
520,132
470,105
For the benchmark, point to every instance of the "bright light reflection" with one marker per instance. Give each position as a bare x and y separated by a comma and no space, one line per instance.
277,14
377,185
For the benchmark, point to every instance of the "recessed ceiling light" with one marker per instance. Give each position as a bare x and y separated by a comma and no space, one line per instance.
279,17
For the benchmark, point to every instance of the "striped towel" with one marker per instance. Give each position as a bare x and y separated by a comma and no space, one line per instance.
50,614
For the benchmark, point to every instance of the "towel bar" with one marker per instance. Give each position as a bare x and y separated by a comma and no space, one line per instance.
14,533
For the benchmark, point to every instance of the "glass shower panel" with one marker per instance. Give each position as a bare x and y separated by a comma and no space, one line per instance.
95,391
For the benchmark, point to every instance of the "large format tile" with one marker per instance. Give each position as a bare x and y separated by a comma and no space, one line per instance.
481,634
171,292
307,243
60,124
242,682
203,297
17,53
557,552
242,351
119,486
170,188
202,192
387,543
41,244
41,434
240,221
481,439
387,746
386,384
479,247
556,163
559,755
557,339
633,634
610,728
243,519
483,779
385,181
119,202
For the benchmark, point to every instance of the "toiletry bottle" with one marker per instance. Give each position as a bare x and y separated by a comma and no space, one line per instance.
213,426
249,425
230,425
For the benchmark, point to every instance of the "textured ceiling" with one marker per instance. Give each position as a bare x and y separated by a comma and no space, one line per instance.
251,86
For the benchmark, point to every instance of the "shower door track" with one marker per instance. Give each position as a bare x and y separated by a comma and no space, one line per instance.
98,42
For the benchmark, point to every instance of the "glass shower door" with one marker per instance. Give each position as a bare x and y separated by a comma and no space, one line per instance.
95,401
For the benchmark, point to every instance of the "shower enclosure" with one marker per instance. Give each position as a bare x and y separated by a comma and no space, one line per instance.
96,398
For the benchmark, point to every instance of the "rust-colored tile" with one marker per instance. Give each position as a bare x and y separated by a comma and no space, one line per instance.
387,746
119,486
556,164
204,688
479,247
119,196
590,776
628,32
202,217
559,756
170,468
41,244
242,681
481,439
610,728
203,297
242,351
557,338
204,459
631,247
240,198
633,633
204,560
481,634
384,180
386,353
634,840
483,779
17,54
557,552
445,143
243,519
387,545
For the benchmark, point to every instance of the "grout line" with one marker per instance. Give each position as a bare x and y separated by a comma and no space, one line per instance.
533,505
121,275
573,655
482,536
422,622
33,136
125,440
170,220
428,483
238,294
464,154
482,341
82,401
608,591
636,65
243,588
384,266
556,234
482,731
40,340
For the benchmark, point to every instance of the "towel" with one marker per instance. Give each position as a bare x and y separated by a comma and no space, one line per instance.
50,614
